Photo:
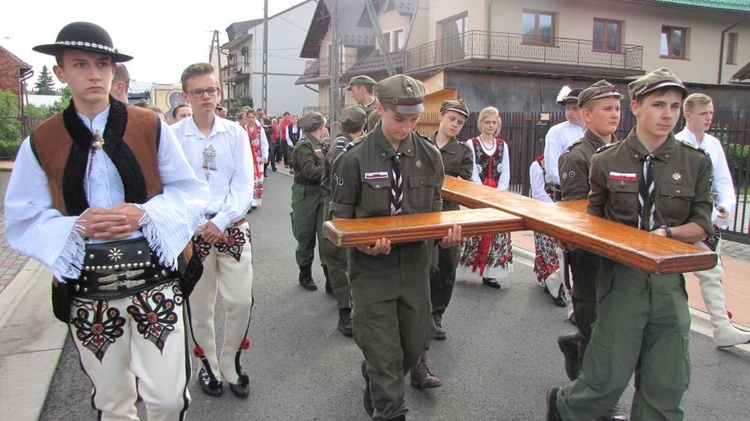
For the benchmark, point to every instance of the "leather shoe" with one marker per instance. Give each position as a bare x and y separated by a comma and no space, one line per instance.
209,387
367,397
491,282
440,333
241,389
568,345
552,414
613,414
345,321
307,282
422,377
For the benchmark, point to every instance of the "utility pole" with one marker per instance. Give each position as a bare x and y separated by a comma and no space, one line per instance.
335,63
385,49
264,83
215,44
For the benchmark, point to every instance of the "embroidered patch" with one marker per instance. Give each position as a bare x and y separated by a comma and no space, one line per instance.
622,176
97,325
376,175
418,164
564,176
676,176
318,151
234,244
155,315
572,174
339,180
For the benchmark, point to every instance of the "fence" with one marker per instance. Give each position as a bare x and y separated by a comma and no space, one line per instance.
525,141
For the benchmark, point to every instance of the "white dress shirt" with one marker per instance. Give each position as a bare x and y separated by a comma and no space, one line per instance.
224,161
536,174
558,139
722,178
36,229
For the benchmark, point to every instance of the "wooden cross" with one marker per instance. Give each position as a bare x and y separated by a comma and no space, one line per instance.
492,210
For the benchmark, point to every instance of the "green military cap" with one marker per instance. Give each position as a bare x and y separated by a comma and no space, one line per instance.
660,78
311,121
360,80
402,93
599,90
353,117
455,106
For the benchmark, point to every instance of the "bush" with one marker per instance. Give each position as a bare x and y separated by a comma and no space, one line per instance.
10,125
737,159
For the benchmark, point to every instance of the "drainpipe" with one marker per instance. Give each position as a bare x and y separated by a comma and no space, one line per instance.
489,27
721,46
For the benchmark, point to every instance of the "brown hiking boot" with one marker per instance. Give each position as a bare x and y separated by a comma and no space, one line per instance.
421,377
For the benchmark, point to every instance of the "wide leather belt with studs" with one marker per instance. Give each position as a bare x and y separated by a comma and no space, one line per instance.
118,269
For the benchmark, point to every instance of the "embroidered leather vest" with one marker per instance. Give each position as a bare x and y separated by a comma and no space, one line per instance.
51,143
294,134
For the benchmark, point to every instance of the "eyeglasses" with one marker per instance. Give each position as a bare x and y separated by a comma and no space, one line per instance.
212,91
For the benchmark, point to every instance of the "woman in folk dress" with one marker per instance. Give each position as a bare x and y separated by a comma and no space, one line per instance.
259,149
489,256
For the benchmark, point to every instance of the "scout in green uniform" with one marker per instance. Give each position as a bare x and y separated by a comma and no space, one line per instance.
653,182
600,110
390,171
457,162
352,124
362,89
307,196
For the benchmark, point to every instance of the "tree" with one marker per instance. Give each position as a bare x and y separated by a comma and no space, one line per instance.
10,125
44,84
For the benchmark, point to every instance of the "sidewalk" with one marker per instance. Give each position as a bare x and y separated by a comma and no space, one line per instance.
32,339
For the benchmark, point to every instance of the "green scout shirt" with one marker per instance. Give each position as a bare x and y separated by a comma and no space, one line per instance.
335,149
574,166
682,176
361,177
457,162
309,157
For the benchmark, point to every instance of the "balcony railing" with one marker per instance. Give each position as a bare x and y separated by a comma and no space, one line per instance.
500,46
322,67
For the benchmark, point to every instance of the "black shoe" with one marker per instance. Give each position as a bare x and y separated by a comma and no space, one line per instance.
367,397
345,321
569,347
274,169
209,387
265,174
552,414
307,282
440,333
241,389
613,414
491,282
560,301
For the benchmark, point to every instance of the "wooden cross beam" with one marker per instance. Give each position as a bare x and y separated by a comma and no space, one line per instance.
491,210
569,222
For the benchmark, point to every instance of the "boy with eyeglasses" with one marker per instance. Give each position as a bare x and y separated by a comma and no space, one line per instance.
219,152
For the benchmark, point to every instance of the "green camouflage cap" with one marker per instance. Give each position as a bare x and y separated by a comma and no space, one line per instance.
660,78
402,93
455,106
353,117
360,80
311,121
599,90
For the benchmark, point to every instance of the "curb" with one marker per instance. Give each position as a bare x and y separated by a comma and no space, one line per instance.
31,344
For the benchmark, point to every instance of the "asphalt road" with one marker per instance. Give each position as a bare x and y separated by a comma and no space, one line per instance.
498,360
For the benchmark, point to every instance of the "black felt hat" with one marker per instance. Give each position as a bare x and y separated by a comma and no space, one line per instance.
83,36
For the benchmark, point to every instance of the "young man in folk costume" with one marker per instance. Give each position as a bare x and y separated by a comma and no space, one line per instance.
655,183
219,152
103,196
489,256
699,112
562,135
600,110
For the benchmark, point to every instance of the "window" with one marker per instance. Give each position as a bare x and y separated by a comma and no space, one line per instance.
452,32
674,42
538,28
385,48
732,48
607,35
398,40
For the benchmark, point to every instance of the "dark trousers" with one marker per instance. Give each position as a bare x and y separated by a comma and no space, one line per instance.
584,267
285,152
272,147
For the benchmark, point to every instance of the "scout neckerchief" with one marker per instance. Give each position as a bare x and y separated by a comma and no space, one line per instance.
85,142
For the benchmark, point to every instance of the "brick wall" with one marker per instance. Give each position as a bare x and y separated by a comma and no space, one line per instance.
9,74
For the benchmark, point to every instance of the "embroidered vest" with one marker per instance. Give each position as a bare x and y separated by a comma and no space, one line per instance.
294,134
51,143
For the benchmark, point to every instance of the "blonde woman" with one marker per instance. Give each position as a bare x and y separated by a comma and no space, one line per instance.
489,256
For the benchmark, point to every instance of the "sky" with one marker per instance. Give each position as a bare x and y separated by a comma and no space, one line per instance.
164,37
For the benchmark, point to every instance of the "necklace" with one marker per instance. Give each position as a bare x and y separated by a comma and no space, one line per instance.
486,145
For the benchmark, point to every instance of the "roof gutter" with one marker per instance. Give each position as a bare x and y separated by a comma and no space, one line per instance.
489,26
721,45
